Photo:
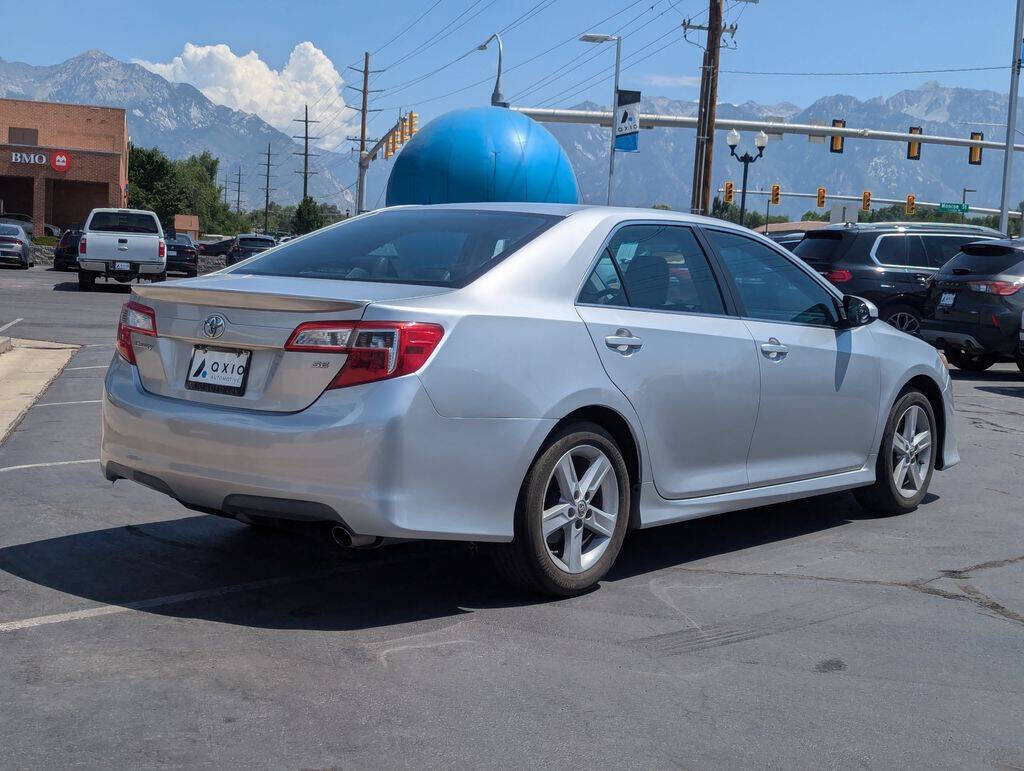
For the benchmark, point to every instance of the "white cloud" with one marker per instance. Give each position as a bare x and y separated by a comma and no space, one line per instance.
673,80
248,83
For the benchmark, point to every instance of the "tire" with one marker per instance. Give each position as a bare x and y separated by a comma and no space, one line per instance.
542,563
159,277
887,496
970,362
86,280
904,317
1020,361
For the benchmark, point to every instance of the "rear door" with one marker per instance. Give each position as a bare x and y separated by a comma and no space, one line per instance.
663,332
820,383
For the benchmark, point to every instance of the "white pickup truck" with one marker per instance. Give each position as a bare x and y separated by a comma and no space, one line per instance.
122,244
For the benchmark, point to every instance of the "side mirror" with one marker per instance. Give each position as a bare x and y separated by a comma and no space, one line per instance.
858,311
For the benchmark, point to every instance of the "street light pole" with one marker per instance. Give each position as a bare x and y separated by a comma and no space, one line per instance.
1011,118
592,38
497,98
732,139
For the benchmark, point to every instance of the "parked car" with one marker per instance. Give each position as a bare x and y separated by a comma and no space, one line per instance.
974,306
121,244
15,245
65,254
537,376
52,230
24,220
216,248
183,255
245,245
889,263
788,240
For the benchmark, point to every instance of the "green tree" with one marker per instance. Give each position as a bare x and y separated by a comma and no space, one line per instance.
308,217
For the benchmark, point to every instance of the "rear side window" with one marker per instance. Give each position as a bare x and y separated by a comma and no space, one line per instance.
822,246
9,230
986,261
891,250
654,267
438,247
123,222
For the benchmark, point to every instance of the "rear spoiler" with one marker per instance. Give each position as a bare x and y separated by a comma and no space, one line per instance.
240,298
990,248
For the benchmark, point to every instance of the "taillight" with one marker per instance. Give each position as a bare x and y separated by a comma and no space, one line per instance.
839,276
997,287
376,350
135,317
161,250
81,246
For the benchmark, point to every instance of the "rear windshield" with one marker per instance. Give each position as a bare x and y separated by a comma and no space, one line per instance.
123,222
439,247
259,243
986,261
9,230
821,246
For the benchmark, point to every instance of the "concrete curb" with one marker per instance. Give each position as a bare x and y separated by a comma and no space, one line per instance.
5,344
25,373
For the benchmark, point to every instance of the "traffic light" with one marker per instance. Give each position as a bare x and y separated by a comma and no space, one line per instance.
836,142
865,201
911,204
728,191
414,124
387,148
821,198
974,153
776,194
914,148
404,129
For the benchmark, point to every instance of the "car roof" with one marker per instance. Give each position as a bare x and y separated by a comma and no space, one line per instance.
255,235
938,227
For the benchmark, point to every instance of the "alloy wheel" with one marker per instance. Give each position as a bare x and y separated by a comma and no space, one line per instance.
905,322
911,451
581,506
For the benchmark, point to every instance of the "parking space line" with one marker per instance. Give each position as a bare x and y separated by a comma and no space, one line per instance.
95,366
44,465
9,324
61,404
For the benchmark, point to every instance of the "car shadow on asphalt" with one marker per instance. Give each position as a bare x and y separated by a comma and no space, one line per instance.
234,574
1005,391
989,375
72,286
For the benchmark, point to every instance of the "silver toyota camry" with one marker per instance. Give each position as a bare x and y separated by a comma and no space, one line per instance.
539,377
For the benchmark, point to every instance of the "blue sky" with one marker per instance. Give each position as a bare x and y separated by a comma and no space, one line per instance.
773,35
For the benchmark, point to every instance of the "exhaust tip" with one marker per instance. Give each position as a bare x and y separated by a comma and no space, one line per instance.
348,540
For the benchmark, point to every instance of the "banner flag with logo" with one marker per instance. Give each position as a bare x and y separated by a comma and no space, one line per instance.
627,121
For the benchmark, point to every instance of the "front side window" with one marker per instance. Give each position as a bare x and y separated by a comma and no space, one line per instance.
654,267
439,247
771,287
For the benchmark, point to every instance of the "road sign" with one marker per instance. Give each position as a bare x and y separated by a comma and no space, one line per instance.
953,206
627,121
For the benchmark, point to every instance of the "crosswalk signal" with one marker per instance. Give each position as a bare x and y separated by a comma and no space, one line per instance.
836,142
728,191
914,148
414,124
865,201
821,198
911,204
974,153
404,130
776,194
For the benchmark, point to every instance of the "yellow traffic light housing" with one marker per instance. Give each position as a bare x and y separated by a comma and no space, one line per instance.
974,153
404,130
836,142
821,198
776,194
914,148
728,191
911,207
414,123
865,201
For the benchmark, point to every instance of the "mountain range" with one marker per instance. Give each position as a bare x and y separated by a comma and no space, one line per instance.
180,120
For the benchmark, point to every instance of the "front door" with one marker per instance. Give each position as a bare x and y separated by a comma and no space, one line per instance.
660,325
820,383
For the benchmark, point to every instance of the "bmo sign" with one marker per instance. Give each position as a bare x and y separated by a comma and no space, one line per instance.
59,160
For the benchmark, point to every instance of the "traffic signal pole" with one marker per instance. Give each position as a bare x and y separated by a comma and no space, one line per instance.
1011,118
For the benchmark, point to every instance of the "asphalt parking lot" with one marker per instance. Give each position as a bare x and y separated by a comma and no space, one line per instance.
134,632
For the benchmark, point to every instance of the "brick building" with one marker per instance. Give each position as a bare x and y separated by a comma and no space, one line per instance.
60,161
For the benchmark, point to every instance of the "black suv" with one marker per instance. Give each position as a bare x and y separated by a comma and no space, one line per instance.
889,263
974,306
65,254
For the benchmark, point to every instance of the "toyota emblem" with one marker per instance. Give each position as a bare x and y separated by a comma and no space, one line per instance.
214,326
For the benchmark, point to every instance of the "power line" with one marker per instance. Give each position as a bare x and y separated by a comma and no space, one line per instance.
876,72
408,27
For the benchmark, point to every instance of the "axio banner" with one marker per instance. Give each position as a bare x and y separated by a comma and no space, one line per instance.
627,121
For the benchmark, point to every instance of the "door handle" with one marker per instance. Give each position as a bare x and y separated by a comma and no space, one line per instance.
623,342
774,350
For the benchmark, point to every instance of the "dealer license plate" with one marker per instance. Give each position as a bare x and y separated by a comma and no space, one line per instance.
220,370
122,266
947,298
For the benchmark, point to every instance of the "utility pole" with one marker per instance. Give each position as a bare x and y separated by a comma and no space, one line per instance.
305,152
364,157
225,187
1011,118
266,188
238,191
700,200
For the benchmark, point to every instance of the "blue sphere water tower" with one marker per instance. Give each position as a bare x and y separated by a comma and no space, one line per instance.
482,154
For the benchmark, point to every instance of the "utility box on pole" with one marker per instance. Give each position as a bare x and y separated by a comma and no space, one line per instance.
844,212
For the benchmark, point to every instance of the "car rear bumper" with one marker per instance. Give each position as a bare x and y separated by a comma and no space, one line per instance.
12,256
973,338
182,266
377,458
135,268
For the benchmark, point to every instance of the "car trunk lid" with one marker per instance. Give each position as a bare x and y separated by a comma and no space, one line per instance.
247,320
